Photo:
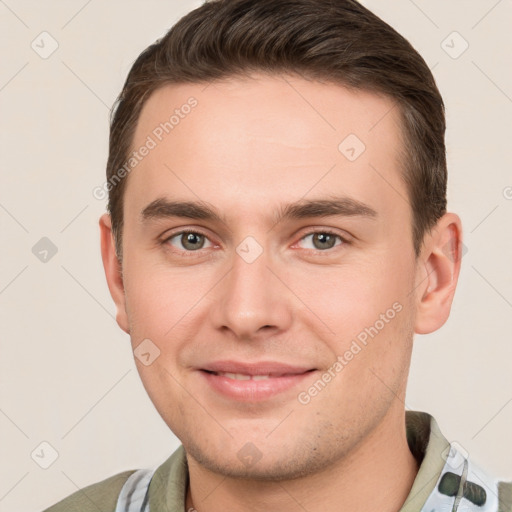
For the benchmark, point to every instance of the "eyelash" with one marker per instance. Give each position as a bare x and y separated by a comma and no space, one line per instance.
197,253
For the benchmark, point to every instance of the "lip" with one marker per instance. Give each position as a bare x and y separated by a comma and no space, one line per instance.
261,368
282,377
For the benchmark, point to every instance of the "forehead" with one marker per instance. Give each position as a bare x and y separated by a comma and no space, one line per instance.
267,138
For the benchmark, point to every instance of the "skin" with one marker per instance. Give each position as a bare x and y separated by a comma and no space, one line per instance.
251,146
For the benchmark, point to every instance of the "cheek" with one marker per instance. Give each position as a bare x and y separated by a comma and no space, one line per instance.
376,357
352,296
158,297
146,306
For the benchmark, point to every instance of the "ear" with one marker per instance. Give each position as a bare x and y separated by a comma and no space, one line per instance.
113,271
437,273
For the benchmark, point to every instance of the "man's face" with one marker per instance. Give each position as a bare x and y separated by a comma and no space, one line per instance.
258,292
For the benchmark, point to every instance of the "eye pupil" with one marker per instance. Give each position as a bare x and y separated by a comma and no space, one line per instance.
325,241
192,241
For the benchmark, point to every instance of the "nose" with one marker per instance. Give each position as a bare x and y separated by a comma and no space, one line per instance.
251,300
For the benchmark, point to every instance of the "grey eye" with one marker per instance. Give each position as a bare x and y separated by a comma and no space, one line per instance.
188,241
321,240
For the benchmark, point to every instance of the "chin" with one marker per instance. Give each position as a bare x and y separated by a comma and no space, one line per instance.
251,463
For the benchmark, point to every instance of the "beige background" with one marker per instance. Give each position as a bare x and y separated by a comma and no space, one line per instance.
67,375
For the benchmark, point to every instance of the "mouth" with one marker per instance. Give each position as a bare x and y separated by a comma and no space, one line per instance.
253,382
245,376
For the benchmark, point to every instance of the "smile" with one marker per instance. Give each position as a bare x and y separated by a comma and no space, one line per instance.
252,387
244,376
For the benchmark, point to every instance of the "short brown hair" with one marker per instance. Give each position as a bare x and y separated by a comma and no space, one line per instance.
337,41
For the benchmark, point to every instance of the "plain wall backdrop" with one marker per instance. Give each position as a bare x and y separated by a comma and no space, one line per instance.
67,375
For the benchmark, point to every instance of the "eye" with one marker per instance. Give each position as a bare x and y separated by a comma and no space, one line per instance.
321,240
188,241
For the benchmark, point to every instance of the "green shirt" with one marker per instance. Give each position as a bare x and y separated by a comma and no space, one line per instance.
446,480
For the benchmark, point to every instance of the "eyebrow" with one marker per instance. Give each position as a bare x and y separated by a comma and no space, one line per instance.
163,208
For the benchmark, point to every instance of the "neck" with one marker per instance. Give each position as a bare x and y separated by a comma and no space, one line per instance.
377,475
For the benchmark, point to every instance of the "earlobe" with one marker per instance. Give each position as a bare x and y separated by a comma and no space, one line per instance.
113,271
438,273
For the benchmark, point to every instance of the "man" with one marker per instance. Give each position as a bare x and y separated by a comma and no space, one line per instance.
277,233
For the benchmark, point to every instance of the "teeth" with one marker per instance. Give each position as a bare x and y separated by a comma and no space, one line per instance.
241,376
237,376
